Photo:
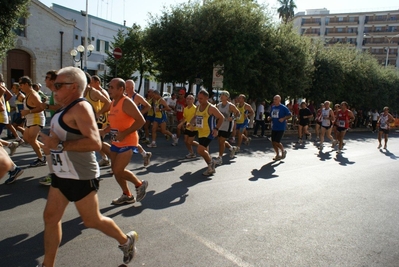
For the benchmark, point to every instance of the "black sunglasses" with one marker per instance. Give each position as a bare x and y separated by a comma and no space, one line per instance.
58,86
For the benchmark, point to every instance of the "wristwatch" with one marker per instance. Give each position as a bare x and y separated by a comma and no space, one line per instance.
60,146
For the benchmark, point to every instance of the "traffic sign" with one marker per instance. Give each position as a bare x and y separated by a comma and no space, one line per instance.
117,53
217,79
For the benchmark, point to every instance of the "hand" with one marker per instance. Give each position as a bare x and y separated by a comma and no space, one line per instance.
49,141
215,132
25,112
281,119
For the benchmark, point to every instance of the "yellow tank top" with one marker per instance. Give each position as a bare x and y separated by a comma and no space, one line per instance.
157,105
188,114
97,106
204,122
242,114
151,110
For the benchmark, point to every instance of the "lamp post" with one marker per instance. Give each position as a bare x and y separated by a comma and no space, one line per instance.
389,41
82,51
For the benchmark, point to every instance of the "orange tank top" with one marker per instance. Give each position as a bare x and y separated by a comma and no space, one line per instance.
120,121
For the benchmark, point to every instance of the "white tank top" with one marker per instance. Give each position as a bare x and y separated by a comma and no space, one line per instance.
325,117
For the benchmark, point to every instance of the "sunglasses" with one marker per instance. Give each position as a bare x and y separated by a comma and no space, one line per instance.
58,86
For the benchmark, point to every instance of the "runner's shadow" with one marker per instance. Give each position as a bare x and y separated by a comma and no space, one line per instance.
265,172
297,146
388,154
324,155
175,195
343,161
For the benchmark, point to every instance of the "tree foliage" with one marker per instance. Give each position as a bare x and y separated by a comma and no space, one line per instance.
259,58
286,10
10,13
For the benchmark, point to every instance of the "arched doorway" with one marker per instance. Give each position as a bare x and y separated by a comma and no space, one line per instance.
18,65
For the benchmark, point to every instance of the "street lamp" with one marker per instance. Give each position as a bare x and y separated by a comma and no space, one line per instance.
81,50
389,41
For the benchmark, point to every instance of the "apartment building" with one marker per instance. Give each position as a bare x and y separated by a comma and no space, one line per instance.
376,32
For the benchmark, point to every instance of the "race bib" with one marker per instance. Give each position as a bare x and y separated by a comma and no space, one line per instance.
341,123
275,114
199,121
179,108
113,134
59,162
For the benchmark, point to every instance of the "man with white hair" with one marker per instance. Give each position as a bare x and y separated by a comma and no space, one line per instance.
73,140
279,115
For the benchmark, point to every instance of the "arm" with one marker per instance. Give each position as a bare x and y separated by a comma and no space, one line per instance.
34,101
219,118
81,117
144,103
289,115
249,109
103,99
235,111
165,105
130,108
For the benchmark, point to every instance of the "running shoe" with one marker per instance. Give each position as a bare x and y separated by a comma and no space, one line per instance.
20,141
13,175
104,162
334,143
218,161
153,144
210,170
284,154
255,135
123,199
146,141
147,158
141,190
191,156
276,158
46,180
13,147
233,151
38,162
385,147
175,140
339,151
248,141
129,250
232,140
379,146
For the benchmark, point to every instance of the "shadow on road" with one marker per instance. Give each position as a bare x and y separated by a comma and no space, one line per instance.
343,161
265,172
173,196
389,154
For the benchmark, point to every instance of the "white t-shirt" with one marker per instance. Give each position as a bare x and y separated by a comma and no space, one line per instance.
171,103
260,113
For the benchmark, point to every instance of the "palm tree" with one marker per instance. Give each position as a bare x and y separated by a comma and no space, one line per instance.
286,10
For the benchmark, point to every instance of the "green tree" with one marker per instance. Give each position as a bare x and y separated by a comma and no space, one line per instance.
286,10
10,14
134,56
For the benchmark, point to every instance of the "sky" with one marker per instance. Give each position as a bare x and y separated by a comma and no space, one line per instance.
136,11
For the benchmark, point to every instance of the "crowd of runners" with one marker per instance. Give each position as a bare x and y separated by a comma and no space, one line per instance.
89,122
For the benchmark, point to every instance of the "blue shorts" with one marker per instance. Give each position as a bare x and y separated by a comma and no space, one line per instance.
242,126
124,149
161,120
149,118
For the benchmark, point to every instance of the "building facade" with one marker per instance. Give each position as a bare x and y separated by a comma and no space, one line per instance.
375,32
41,46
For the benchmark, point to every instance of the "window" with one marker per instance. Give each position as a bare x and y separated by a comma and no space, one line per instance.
351,19
102,46
21,30
340,29
341,19
377,29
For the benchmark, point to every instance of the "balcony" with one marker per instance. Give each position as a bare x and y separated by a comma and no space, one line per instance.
345,21
382,32
382,19
369,43
311,22
342,33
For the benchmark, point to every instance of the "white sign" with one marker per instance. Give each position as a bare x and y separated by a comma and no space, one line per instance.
217,78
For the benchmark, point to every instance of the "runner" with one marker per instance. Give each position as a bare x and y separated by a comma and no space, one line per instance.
160,107
279,115
383,121
343,120
74,137
190,131
328,117
35,119
143,106
242,121
204,120
125,119
305,115
230,113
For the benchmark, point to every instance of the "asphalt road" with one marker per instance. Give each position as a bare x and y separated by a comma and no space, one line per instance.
311,209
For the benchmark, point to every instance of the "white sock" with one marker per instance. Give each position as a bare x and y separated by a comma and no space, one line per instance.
144,153
13,168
